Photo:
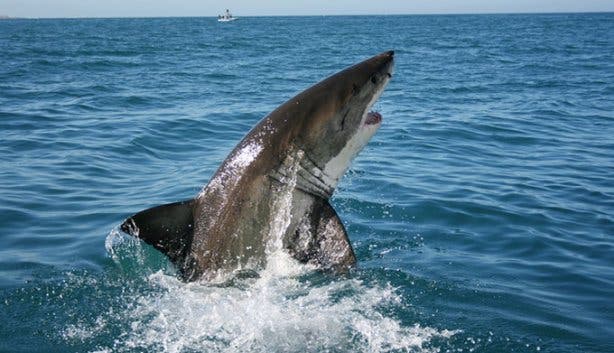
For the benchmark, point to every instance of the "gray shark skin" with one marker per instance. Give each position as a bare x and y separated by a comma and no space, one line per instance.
272,190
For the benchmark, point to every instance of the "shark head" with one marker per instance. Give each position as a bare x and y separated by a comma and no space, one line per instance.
333,120
329,123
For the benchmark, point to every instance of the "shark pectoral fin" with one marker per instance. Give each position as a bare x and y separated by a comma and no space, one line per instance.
168,228
334,250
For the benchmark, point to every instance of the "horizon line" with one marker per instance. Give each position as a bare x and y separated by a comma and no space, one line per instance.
8,17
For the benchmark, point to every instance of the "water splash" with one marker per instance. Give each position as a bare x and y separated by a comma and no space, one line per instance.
120,245
132,257
278,261
281,208
269,314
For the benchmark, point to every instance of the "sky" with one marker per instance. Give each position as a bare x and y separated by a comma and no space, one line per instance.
162,8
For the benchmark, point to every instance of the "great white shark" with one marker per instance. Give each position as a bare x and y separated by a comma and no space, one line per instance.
273,189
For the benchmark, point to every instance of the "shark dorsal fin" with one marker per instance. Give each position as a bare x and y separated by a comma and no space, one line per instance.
168,228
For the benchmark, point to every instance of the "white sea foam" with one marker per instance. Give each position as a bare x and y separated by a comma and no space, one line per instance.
279,311
82,332
271,314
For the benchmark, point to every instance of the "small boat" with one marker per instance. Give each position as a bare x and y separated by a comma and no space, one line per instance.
226,17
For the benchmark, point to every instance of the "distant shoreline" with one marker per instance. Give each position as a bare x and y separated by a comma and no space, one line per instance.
5,17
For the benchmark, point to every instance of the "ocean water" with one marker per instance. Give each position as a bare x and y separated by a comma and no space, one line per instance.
481,213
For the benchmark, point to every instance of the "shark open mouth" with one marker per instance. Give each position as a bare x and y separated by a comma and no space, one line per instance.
373,118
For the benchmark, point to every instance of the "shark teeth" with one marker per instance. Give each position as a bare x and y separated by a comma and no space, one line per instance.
373,118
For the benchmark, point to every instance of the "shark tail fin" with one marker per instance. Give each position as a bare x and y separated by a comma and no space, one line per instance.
168,228
321,237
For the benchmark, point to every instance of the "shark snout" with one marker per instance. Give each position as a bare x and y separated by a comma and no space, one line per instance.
389,59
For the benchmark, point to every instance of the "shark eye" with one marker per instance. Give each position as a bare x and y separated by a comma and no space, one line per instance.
354,89
374,79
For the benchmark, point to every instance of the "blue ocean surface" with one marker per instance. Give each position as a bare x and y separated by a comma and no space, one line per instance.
481,213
